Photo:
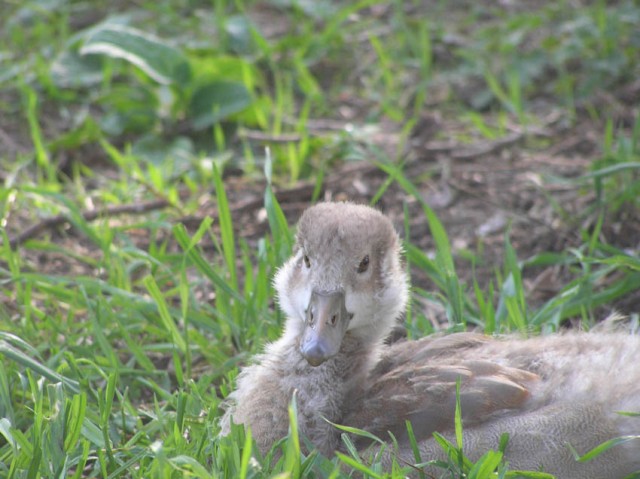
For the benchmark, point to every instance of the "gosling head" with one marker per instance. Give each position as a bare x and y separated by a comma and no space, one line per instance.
345,277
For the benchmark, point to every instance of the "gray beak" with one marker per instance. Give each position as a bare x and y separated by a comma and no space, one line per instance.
326,320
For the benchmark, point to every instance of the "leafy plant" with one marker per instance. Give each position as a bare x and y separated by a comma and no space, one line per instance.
129,295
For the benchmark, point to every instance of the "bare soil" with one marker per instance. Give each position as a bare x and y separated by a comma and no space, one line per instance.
479,189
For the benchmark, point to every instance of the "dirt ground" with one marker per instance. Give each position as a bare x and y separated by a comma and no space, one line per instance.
478,191
524,182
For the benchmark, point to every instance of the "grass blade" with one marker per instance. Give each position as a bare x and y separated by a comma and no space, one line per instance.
20,357
165,315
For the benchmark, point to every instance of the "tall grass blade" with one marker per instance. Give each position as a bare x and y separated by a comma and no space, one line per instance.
358,466
605,446
282,237
414,447
42,156
226,227
20,357
165,315
202,264
292,452
246,455
74,417
444,260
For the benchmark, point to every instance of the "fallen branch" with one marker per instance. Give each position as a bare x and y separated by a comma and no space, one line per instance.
61,219
302,189
256,135
468,152
486,147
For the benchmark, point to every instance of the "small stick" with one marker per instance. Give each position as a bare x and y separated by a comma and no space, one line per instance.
58,220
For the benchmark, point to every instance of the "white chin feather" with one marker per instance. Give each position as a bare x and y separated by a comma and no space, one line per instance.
376,316
292,300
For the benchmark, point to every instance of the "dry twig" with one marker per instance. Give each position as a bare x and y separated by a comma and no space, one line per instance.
59,220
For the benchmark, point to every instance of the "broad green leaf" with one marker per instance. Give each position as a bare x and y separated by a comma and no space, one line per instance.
216,101
72,70
162,62
178,153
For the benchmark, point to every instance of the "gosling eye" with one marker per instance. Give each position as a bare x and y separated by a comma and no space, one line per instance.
364,264
307,261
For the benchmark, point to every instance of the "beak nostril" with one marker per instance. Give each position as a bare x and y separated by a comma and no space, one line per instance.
334,320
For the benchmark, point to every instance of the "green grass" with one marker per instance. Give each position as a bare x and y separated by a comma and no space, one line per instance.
121,335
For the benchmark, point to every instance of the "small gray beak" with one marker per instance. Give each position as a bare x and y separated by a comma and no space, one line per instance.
326,320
